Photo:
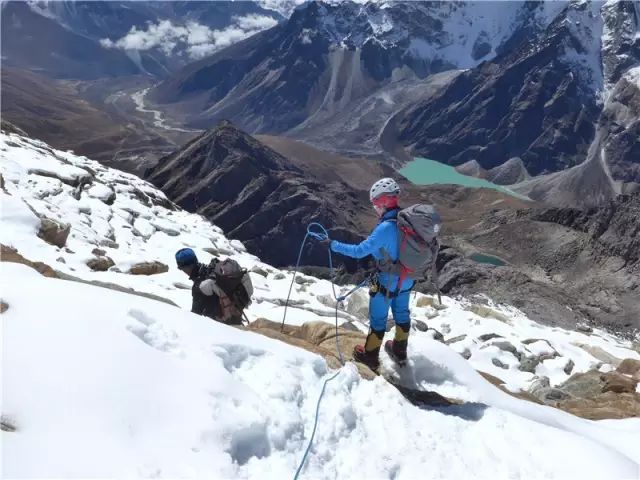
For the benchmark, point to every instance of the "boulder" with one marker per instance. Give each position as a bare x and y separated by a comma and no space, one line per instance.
2,187
584,328
420,325
618,383
259,271
507,347
98,252
568,368
425,301
279,276
486,312
529,364
54,232
3,306
148,268
499,364
436,335
109,243
600,354
7,425
584,385
604,406
541,390
455,339
629,366
489,336
100,264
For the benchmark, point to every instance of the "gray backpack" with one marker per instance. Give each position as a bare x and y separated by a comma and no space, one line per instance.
418,229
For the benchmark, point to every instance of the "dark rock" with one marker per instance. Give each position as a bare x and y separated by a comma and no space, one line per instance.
466,354
148,268
3,307
529,364
507,347
260,271
300,280
100,264
279,276
499,364
61,260
98,252
109,243
459,338
488,336
568,368
7,425
54,232
437,335
420,325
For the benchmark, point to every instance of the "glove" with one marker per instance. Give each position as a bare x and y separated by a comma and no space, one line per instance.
207,287
325,243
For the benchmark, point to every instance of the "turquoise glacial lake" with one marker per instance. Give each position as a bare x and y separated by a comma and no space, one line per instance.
422,171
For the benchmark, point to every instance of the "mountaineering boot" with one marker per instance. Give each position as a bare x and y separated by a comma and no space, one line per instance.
368,353
397,348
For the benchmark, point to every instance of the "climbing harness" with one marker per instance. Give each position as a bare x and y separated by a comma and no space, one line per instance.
318,232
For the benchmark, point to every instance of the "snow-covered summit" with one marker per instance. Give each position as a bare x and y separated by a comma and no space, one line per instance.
459,34
103,383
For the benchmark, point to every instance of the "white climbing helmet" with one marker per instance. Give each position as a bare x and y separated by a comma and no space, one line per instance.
384,186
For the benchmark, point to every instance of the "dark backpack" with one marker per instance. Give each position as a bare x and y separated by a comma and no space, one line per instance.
418,230
233,280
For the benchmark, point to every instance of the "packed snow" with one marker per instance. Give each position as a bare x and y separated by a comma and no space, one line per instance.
109,385
102,383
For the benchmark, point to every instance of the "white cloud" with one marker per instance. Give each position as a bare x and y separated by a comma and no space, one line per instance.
255,22
193,38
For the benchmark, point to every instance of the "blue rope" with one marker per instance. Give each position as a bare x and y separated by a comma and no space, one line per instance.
318,232
315,425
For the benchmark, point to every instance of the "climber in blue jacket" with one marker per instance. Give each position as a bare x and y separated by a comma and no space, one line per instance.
385,292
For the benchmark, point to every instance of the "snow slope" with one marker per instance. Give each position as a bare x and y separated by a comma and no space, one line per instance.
110,385
102,383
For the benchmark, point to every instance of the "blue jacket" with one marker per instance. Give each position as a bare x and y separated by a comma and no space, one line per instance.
384,236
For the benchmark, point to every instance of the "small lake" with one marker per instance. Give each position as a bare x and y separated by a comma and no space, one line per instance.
422,171
490,259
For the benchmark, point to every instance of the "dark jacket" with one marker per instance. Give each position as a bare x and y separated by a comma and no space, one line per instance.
209,306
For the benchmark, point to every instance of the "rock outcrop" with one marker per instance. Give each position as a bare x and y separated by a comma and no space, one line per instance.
254,194
148,268
566,266
54,232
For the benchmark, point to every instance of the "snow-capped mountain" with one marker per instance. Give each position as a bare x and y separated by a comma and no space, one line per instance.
100,382
90,39
332,54
565,103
